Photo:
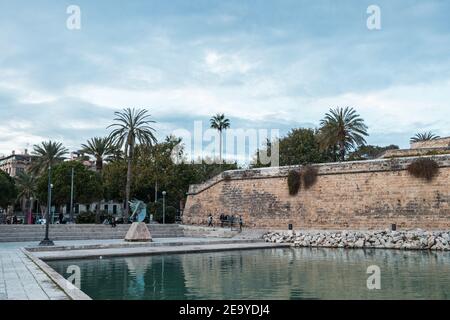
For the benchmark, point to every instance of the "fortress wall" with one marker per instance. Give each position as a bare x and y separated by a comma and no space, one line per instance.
349,195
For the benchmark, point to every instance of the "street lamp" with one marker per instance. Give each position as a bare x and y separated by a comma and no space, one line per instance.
164,207
30,217
47,241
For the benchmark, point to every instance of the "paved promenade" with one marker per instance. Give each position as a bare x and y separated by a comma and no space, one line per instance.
22,279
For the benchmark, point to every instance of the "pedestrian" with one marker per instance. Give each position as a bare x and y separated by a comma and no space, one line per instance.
222,217
15,219
210,221
61,218
241,222
113,222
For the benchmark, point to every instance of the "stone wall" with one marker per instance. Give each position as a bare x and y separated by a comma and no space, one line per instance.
349,195
437,143
397,153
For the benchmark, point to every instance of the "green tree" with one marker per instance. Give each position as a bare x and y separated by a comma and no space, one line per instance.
342,127
425,136
8,191
220,123
368,152
47,154
131,126
87,184
100,149
299,146
156,163
27,188
114,176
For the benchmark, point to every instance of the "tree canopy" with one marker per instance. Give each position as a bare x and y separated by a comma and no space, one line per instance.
299,146
87,184
8,192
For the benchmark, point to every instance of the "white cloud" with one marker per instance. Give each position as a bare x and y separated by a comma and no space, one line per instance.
227,64
19,84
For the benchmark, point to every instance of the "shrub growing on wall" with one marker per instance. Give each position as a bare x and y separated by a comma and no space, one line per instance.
424,168
309,176
293,181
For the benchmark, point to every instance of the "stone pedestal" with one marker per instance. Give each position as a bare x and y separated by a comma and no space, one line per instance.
138,232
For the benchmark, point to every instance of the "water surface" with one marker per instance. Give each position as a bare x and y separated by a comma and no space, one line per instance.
283,273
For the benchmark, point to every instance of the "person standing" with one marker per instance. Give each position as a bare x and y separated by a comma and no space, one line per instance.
210,221
241,223
222,217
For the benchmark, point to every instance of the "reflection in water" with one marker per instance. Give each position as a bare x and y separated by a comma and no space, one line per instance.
288,273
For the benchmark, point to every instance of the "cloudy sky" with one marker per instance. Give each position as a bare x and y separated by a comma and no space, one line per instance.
265,64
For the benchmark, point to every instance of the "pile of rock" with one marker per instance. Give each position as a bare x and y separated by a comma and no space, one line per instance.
409,239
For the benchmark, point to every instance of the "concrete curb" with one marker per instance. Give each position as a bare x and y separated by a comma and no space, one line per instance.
69,289
142,251
137,245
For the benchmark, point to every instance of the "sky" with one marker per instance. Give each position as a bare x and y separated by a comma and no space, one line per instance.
265,64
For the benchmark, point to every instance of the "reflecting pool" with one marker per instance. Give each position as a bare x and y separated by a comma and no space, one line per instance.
287,273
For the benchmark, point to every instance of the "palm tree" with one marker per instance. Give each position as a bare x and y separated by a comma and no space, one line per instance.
426,136
100,149
131,126
220,123
27,188
344,128
47,154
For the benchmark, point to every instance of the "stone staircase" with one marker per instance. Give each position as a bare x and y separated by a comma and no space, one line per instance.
23,233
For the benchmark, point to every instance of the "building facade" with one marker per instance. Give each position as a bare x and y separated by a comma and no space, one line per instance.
15,163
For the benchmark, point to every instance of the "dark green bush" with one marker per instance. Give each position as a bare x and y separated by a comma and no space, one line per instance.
293,181
424,168
309,176
156,209
85,218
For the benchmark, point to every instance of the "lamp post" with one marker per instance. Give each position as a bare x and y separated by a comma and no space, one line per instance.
71,197
30,217
164,207
47,241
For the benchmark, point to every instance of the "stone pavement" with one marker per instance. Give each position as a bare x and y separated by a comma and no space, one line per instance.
21,279
147,250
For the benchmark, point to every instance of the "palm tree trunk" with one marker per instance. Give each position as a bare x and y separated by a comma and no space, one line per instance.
99,168
97,213
128,185
342,150
24,208
220,146
99,164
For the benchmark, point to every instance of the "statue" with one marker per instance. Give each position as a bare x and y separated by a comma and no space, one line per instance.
138,230
139,209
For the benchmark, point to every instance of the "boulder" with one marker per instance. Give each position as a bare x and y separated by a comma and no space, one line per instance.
138,232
